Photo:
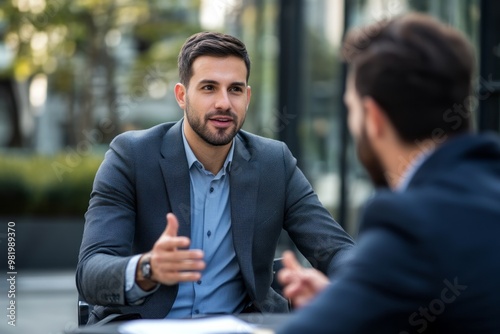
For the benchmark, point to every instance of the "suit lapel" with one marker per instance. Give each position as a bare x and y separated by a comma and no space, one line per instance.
175,172
244,181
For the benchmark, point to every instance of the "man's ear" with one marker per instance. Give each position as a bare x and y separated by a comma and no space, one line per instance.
180,95
249,95
375,118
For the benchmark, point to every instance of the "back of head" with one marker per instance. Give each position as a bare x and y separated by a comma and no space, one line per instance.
209,44
418,70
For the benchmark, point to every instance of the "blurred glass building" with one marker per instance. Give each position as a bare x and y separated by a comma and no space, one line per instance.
73,74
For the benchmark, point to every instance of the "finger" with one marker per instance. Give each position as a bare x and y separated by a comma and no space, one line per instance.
188,276
285,276
181,266
302,301
172,278
172,225
316,280
293,290
290,261
179,255
172,243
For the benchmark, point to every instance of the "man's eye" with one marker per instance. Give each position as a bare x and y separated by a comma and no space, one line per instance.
207,87
235,89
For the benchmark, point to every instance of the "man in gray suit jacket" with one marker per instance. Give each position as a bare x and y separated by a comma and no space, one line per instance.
227,195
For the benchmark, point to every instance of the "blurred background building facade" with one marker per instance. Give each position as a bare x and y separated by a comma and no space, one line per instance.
75,73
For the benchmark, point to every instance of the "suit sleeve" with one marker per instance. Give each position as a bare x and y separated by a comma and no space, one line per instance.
109,228
384,288
316,234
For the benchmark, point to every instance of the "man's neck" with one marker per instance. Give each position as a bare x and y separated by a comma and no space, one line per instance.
212,157
404,159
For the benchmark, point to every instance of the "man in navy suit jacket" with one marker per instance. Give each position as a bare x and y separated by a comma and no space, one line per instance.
227,196
427,254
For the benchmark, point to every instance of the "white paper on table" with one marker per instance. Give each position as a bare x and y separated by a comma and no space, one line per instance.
209,325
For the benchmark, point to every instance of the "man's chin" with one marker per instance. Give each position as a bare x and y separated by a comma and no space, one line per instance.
220,138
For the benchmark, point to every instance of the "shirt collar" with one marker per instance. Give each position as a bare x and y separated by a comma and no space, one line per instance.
412,170
191,158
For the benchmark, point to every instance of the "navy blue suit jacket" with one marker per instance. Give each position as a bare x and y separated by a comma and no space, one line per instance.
145,175
427,259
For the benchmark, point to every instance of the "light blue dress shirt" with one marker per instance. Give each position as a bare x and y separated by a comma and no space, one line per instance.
221,288
412,169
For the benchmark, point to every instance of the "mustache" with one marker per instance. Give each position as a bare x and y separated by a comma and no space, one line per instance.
227,113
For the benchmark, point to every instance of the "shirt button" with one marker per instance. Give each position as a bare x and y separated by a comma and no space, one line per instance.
196,311
211,189
199,282
209,234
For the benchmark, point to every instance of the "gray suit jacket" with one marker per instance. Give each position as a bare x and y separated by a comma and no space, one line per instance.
145,175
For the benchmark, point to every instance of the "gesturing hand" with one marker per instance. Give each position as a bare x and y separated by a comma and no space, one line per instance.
171,261
300,284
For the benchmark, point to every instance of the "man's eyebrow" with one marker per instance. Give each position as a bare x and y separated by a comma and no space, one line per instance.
208,81
213,82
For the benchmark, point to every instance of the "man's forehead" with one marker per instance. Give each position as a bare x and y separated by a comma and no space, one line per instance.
207,60
215,70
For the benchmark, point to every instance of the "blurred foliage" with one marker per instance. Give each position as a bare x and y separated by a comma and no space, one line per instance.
79,45
52,36
46,35
36,185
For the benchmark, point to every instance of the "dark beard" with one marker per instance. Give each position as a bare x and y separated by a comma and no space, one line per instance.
222,136
369,159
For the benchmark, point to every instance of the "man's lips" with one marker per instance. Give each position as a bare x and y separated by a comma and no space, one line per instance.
221,121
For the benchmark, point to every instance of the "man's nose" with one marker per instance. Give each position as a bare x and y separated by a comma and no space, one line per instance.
222,101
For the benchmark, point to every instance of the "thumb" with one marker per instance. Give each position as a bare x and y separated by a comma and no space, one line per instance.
290,261
172,225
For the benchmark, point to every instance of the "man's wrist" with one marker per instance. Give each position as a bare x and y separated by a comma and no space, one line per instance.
144,272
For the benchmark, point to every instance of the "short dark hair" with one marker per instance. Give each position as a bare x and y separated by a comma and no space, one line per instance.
418,70
209,44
